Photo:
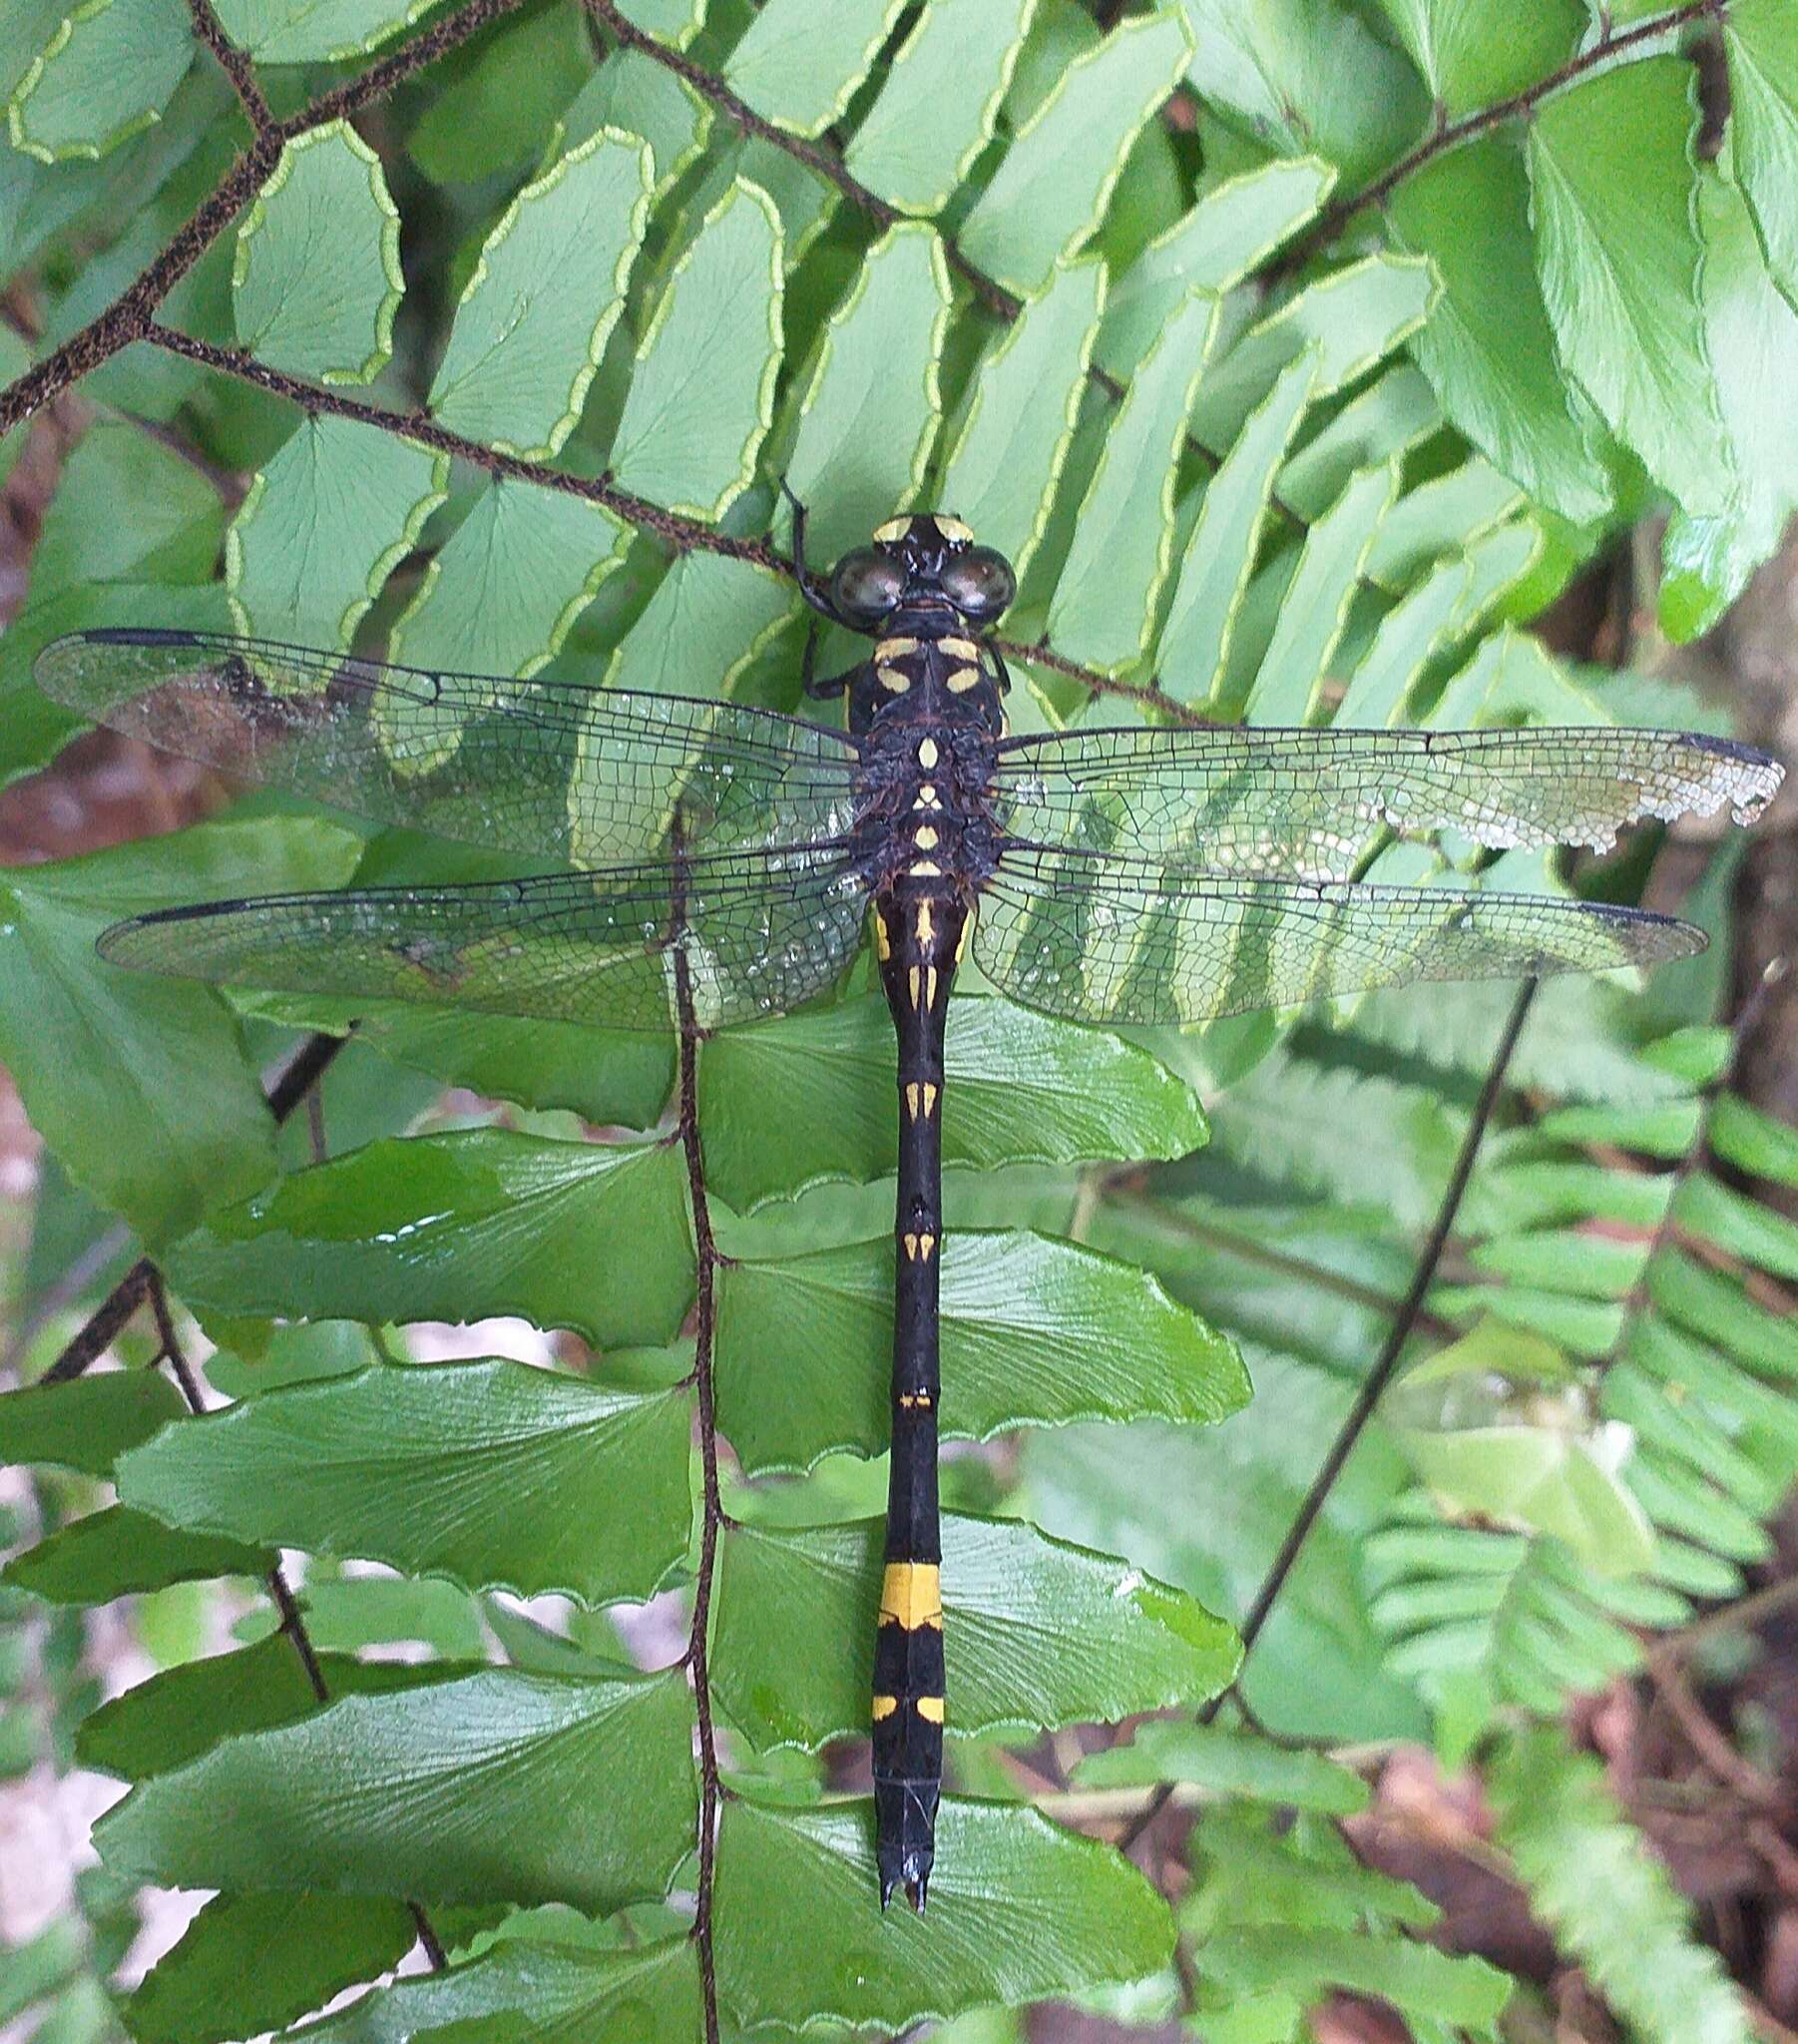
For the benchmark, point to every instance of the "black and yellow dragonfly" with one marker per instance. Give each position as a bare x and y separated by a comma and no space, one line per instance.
721,863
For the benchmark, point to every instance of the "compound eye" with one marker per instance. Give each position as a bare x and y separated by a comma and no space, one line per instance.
866,586
980,583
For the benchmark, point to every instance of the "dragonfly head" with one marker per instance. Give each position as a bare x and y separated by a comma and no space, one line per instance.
922,566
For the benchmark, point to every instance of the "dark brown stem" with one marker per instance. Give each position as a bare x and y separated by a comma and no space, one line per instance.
717,92
234,63
1375,1382
713,1509
1334,218
680,533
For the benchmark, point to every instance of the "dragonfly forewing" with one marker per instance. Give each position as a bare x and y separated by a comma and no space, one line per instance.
548,769
1307,804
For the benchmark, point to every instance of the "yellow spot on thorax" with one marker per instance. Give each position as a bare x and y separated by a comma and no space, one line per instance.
895,649
891,677
963,678
926,928
930,1709
925,838
884,1706
960,648
926,753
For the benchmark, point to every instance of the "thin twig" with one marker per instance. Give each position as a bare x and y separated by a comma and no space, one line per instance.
234,63
713,1509
1334,218
678,532
1375,1382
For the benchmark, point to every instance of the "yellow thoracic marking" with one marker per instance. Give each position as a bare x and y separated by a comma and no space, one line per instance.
912,1100
892,531
926,928
915,978
909,1400
884,1706
895,649
925,1242
883,937
911,1248
925,838
891,677
960,648
930,1099
960,942
927,797
930,988
963,678
926,753
930,1709
911,1595
953,529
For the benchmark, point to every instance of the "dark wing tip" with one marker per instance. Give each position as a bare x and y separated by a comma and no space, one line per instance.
131,635
1754,776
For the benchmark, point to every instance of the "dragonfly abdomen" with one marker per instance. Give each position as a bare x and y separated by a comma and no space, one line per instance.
919,931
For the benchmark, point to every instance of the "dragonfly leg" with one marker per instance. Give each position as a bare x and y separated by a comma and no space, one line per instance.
1003,673
814,592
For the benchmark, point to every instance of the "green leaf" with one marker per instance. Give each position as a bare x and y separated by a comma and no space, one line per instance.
1487,346
1354,318
1469,62
178,1715
1017,1088
942,95
1226,539
492,1473
458,1227
868,411
1106,602
502,592
1288,688
336,509
703,394
88,1422
495,1787
801,59
1738,1225
1751,334
1233,228
127,508
251,1963
632,91
1308,76
1021,1911
1037,1632
1034,1333
1609,1902
309,30
1002,471
709,618
108,70
140,1084
317,280
535,1993
546,292
1752,1141
1226,1764
1760,38
1496,1425
117,1553
500,108
1055,182
1620,261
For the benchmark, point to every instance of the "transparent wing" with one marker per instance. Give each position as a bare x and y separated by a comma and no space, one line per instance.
1100,939
760,935
1304,805
590,776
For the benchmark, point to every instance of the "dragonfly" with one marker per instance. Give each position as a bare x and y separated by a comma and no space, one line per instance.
717,863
